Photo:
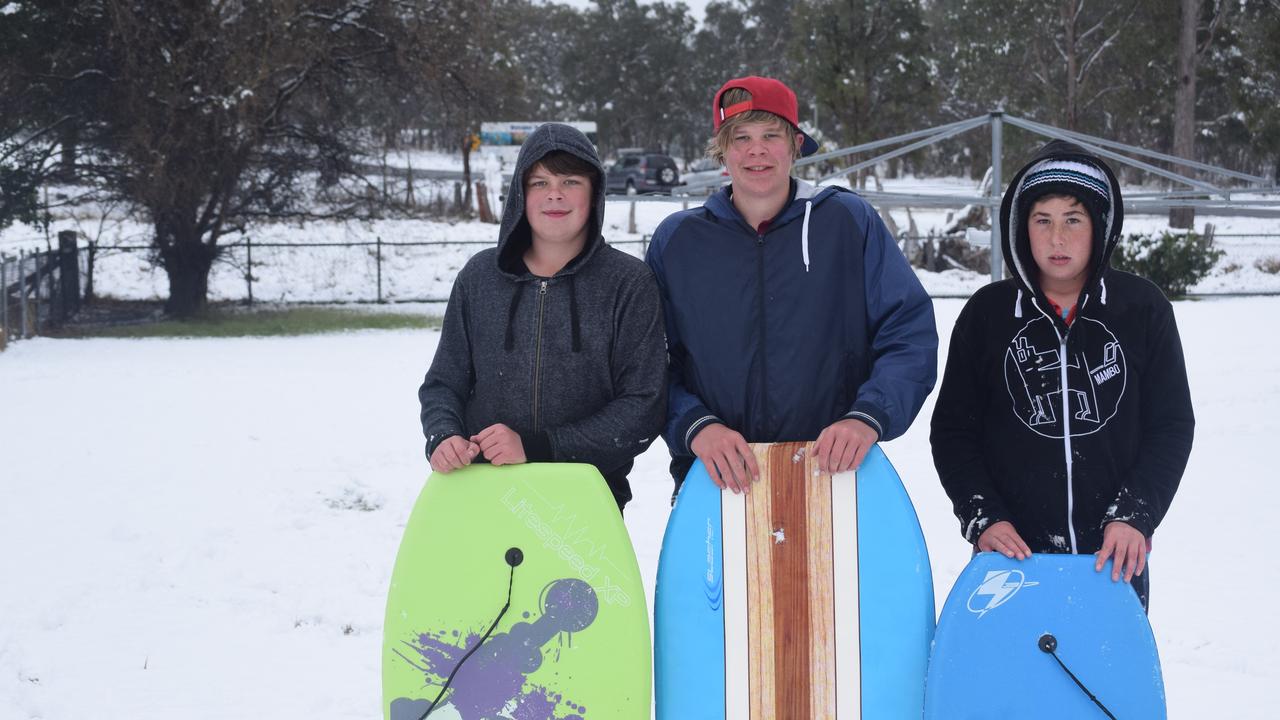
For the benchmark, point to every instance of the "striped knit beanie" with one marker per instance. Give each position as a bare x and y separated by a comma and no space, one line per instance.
1083,181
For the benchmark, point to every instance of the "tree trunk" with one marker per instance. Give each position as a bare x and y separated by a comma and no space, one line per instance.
1184,103
1070,111
482,202
70,140
187,262
88,280
466,175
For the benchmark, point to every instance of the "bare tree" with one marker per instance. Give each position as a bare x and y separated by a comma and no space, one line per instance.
207,116
1065,64
864,61
1195,35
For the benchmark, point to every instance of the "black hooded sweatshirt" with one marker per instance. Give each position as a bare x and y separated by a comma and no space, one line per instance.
575,363
1010,444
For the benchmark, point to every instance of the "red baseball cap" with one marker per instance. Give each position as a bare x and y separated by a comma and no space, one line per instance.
768,95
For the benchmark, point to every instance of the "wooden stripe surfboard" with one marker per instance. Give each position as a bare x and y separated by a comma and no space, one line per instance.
762,594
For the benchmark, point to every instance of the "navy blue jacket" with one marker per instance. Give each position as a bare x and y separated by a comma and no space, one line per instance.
778,335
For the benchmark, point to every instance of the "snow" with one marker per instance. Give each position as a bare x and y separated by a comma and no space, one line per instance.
425,271
206,528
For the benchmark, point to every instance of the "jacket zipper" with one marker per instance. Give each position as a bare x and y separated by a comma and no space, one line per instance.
537,351
1066,435
764,345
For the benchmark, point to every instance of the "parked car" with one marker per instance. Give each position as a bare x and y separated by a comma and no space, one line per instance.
705,176
641,172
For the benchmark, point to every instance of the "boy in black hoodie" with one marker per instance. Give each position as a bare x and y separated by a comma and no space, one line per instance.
552,347
1064,419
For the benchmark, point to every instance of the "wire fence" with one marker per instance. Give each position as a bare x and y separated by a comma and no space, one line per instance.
39,291
253,271
43,289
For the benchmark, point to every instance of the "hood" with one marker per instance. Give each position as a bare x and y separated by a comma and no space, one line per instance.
514,236
804,196
802,192
803,199
1013,226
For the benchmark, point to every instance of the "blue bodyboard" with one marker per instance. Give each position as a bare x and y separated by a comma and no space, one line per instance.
895,610
987,660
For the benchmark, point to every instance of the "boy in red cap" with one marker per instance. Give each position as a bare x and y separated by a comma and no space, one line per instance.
791,313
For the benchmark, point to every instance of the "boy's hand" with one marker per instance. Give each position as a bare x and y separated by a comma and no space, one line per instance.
728,458
500,444
452,453
843,444
1127,546
1004,539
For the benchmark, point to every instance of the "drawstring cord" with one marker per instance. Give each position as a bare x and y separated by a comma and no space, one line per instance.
1017,305
804,234
576,326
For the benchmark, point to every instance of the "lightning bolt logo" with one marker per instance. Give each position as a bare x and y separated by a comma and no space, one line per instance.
996,589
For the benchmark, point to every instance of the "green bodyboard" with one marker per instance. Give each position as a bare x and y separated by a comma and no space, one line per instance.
574,643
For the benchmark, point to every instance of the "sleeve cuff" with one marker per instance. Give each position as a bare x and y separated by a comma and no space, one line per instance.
696,427
870,415
978,523
1133,520
537,447
434,440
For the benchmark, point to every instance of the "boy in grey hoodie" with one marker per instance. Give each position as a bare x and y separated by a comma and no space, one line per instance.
552,348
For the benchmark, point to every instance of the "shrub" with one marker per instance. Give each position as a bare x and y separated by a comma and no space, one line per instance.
1174,261
1268,264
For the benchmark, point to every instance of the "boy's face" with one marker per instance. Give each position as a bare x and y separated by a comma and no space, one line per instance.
1061,234
556,206
759,159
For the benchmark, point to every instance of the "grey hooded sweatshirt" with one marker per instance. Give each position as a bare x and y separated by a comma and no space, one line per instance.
575,363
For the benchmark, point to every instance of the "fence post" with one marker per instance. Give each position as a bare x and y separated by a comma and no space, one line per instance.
92,252
50,297
631,219
379,263
248,265
38,259
22,293
4,301
69,269
993,203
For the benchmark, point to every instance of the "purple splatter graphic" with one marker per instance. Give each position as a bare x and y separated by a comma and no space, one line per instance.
491,684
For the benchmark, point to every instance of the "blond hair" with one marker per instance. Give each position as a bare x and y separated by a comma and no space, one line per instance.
719,143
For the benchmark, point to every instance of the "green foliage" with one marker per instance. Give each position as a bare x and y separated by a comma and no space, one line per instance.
864,63
18,199
628,67
1244,91
1174,261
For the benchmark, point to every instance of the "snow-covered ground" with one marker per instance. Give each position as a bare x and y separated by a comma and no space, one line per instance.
206,528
